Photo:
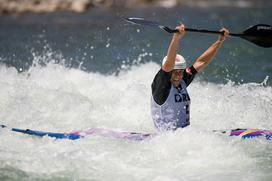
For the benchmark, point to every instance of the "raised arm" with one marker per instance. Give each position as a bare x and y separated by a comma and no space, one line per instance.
172,49
206,58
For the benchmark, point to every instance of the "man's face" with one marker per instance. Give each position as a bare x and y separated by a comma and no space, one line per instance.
177,75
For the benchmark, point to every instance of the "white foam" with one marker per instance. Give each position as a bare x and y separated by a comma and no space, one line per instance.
55,98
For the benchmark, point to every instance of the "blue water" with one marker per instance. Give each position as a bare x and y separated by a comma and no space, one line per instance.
63,72
101,41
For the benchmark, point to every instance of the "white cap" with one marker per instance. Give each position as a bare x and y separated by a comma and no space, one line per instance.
180,62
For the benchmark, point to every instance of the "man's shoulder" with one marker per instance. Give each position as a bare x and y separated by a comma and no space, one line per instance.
162,76
190,71
189,74
163,72
161,86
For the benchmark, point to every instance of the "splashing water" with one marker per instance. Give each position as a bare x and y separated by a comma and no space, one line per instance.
56,98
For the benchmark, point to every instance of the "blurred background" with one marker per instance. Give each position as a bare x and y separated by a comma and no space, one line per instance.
92,35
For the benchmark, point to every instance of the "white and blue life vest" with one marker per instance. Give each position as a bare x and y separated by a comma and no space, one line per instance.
174,112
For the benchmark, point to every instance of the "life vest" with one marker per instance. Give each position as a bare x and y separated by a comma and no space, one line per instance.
174,112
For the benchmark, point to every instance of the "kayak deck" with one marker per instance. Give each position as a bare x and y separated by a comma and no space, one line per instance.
243,133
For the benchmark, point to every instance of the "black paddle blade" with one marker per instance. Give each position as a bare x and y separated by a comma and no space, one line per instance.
260,35
141,21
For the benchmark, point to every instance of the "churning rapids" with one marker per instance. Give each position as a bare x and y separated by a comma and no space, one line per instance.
56,98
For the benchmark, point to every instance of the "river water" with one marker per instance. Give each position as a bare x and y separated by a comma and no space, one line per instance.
64,72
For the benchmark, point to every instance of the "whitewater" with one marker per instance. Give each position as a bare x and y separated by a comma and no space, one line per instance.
53,97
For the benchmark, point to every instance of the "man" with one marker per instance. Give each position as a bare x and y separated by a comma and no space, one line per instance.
170,104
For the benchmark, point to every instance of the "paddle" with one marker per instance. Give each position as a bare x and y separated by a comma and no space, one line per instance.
260,34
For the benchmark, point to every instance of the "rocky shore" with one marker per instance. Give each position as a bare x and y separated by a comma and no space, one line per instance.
19,7
79,6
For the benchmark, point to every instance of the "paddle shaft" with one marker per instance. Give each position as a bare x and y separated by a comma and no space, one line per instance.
208,31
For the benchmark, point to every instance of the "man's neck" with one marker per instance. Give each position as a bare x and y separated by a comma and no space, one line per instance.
175,83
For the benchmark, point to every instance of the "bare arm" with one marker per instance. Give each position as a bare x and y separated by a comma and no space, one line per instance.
172,49
206,58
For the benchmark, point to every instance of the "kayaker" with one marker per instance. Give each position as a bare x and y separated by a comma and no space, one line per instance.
170,104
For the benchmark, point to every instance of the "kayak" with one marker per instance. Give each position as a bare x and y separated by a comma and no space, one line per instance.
248,133
74,135
251,133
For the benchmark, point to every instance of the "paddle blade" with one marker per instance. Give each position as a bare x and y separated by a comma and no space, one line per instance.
260,35
141,21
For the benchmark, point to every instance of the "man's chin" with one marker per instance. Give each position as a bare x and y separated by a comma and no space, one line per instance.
175,81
